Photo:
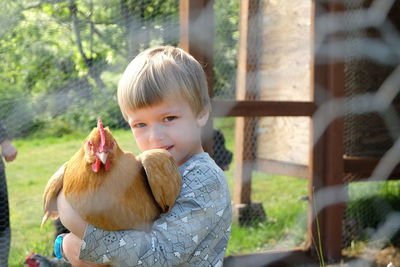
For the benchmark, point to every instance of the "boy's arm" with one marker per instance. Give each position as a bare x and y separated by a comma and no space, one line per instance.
69,217
71,246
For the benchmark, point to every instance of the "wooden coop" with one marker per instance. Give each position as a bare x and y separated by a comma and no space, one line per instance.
286,76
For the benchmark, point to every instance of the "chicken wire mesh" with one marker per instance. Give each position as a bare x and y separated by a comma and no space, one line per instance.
278,51
72,52
368,46
61,63
56,87
226,19
369,134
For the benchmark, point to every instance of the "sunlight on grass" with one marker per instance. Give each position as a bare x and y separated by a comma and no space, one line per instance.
285,226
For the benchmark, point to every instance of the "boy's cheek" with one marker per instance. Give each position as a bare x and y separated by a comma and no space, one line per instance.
140,141
145,147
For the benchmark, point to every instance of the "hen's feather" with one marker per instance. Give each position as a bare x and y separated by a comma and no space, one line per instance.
53,188
165,188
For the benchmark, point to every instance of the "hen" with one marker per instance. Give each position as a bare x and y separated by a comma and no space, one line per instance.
111,188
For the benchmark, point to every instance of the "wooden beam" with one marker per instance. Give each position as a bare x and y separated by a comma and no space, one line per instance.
244,157
365,166
279,258
254,108
197,33
197,38
247,89
282,168
325,228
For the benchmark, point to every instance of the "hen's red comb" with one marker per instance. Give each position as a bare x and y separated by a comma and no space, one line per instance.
32,262
102,133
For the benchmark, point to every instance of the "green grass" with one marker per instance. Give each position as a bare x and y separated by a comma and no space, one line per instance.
369,205
38,159
285,226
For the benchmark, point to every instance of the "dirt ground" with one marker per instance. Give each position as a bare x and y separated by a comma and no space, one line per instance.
373,257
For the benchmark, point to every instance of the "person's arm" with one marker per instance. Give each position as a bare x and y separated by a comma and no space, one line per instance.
69,217
173,239
72,241
71,247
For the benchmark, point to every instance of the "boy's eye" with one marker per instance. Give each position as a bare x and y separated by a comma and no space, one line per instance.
170,118
139,125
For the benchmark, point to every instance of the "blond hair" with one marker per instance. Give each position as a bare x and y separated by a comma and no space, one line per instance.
160,72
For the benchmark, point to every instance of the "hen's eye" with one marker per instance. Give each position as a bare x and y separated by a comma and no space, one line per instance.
170,118
89,147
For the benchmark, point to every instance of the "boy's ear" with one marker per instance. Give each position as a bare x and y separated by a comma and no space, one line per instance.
202,118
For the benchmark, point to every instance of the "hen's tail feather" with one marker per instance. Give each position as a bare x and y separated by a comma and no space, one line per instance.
45,218
47,215
53,188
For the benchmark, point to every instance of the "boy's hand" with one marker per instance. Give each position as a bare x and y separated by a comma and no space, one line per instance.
8,150
71,249
69,217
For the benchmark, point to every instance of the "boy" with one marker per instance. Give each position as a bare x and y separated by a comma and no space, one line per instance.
163,95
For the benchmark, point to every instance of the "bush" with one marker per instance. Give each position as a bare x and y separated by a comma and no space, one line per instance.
368,214
80,117
17,116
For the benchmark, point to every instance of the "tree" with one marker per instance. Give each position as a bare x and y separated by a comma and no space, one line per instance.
65,55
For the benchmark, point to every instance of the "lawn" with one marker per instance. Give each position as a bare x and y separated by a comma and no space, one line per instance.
38,159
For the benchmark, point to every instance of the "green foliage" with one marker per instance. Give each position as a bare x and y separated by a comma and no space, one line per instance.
61,60
32,62
18,109
54,55
83,115
369,206
225,48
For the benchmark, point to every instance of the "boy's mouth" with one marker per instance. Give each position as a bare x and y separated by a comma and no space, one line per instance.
168,148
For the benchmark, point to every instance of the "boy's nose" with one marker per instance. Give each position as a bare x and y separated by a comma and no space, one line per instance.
156,133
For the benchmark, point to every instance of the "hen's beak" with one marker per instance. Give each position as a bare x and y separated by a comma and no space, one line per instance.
103,157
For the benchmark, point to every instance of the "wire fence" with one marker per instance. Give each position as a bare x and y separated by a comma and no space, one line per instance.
62,60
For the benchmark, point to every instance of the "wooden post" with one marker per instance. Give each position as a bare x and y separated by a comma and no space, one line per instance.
327,167
247,89
197,38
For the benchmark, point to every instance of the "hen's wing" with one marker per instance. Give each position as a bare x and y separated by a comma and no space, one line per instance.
163,176
53,188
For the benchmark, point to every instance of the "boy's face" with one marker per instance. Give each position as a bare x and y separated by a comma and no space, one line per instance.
169,125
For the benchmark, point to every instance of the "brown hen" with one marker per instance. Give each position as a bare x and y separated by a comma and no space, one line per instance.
111,188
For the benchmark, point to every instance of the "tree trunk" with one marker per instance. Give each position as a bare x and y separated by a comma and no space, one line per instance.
94,71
